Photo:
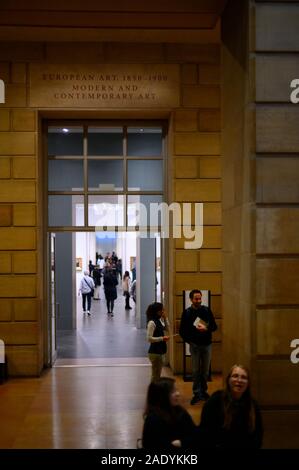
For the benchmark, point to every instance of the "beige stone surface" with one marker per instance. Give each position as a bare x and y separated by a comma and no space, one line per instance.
4,118
185,120
19,333
198,190
23,120
25,262
4,167
212,213
186,261
194,53
18,72
189,74
5,71
204,96
275,330
74,52
17,143
24,167
197,143
271,376
17,191
209,120
273,124
186,167
25,309
21,51
277,230
23,360
24,214
278,423
134,52
14,238
5,263
210,167
5,215
15,96
18,286
277,179
210,260
5,309
277,281
210,281
216,305
212,237
209,74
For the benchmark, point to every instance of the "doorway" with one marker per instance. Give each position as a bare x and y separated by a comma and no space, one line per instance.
100,177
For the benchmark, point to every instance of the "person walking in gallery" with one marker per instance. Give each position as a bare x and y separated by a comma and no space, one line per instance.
110,283
157,327
196,327
126,289
167,425
231,418
97,282
86,289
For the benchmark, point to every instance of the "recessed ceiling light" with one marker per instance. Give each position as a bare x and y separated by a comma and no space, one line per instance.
65,130
141,130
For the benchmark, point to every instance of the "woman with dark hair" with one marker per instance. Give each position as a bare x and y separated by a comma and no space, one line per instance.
110,283
231,418
157,326
126,289
167,425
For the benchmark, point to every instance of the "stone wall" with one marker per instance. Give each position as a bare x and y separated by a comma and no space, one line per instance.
194,176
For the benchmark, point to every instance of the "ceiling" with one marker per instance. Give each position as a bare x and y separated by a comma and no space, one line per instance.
117,20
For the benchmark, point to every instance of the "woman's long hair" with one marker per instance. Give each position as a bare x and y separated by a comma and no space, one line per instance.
246,401
158,399
153,311
127,274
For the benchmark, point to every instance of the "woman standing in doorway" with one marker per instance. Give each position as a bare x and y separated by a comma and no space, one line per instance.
157,326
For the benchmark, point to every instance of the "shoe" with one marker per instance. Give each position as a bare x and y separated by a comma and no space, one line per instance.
88,312
195,399
111,314
84,311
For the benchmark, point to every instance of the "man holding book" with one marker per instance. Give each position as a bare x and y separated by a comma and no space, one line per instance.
196,328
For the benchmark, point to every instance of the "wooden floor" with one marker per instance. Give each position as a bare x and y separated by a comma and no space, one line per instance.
91,406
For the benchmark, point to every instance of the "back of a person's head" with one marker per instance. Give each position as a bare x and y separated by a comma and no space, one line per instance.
86,273
153,310
158,395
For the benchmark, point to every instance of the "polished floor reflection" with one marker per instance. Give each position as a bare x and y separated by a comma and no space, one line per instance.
103,336
81,407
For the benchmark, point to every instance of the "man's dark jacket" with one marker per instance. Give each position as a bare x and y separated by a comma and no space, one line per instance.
190,333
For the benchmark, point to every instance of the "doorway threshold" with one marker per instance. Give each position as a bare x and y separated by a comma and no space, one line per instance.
103,362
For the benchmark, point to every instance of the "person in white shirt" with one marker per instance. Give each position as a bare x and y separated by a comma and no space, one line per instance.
157,326
86,289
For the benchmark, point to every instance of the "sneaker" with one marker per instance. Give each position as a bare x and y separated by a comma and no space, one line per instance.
195,399
88,312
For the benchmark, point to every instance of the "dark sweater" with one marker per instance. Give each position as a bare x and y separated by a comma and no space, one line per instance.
212,433
159,432
190,333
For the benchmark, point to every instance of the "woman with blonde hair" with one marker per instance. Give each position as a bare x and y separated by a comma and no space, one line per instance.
231,418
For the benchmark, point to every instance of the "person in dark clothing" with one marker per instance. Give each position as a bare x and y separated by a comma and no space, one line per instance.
157,326
231,418
196,327
110,283
167,425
